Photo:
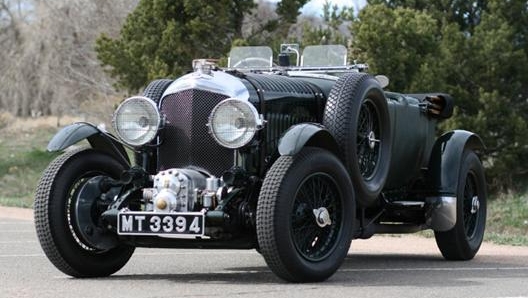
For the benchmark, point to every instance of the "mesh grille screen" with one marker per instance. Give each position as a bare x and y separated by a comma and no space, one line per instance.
186,139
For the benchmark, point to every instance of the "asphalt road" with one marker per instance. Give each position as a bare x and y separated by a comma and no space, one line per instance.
406,266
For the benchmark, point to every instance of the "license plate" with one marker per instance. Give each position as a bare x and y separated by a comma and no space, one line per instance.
166,224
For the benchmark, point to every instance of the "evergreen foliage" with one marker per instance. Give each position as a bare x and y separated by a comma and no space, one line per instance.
329,32
161,37
475,50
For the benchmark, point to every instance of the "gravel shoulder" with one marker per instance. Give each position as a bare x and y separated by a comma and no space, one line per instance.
16,213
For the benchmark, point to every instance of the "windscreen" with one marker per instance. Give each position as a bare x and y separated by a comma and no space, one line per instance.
250,57
324,55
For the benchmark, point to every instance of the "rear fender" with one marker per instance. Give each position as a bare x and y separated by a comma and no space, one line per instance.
307,134
446,159
97,138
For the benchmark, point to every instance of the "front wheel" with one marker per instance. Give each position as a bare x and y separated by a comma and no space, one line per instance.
463,241
67,227
305,216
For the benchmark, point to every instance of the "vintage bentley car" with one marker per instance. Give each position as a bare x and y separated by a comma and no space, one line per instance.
294,157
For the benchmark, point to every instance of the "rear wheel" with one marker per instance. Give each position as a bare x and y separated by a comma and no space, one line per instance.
75,242
357,114
463,241
305,216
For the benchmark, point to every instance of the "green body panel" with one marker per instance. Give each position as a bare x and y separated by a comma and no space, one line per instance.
413,134
307,134
97,138
446,159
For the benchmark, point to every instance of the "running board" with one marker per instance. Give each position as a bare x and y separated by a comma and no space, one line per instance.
399,205
408,203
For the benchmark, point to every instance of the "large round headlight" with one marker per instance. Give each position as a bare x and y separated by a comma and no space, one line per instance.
137,120
233,123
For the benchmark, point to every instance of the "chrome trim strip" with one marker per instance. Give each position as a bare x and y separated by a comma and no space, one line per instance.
304,74
217,82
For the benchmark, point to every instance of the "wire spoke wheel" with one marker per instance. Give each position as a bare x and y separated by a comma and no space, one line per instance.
463,241
471,206
357,115
368,144
316,218
305,215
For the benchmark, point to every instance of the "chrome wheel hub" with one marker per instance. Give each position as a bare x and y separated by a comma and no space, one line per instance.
322,217
475,205
372,140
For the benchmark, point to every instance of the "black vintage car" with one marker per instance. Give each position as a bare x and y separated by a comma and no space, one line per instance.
293,159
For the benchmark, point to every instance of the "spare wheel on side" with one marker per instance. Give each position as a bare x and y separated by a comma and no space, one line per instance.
357,114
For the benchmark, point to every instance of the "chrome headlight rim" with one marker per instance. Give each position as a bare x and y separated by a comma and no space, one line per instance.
151,117
253,121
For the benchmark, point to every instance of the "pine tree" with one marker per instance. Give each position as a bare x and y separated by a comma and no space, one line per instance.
394,42
480,59
161,37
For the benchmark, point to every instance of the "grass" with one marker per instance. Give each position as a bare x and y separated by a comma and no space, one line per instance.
508,220
23,158
19,176
23,154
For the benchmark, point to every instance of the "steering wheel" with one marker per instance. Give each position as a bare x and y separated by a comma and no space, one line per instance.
252,62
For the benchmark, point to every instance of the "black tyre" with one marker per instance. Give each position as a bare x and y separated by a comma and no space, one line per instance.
357,114
305,216
154,91
55,213
463,241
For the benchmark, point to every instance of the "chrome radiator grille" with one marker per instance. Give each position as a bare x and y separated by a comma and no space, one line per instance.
185,138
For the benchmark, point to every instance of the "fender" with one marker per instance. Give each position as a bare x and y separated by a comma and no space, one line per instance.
97,138
446,158
307,134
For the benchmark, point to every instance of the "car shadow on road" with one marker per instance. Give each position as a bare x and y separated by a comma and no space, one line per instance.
357,270
240,275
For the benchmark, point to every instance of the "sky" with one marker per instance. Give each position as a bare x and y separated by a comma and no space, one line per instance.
314,7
